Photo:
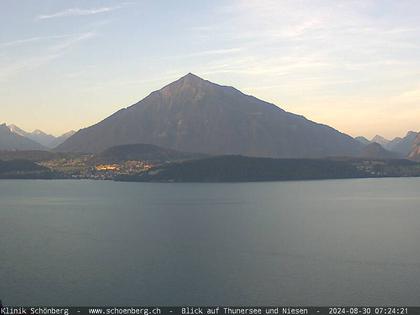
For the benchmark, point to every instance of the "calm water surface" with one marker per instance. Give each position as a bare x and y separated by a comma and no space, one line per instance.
308,243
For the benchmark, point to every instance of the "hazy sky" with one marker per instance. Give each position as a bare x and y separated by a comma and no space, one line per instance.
354,65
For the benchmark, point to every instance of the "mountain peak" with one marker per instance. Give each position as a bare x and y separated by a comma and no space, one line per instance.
38,132
379,139
192,79
192,75
411,133
190,84
362,140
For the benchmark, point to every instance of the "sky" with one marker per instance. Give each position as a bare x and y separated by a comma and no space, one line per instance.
351,64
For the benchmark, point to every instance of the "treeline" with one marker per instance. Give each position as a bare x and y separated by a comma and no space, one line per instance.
24,169
240,169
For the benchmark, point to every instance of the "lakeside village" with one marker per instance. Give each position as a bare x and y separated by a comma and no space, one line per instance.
83,168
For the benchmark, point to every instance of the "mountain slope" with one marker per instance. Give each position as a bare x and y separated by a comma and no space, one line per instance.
13,141
59,140
195,115
141,152
362,140
403,145
415,151
376,151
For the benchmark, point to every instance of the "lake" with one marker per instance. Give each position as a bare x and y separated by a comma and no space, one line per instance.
326,242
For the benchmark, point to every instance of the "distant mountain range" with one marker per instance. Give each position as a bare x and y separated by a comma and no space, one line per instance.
401,146
195,115
47,141
37,135
13,141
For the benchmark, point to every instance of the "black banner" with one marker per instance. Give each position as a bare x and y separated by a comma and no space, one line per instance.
210,310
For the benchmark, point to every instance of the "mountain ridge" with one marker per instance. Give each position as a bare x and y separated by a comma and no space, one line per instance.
400,145
13,141
39,136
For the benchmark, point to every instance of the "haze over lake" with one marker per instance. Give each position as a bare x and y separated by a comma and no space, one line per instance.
347,242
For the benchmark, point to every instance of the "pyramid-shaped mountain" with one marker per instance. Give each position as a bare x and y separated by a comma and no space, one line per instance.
195,115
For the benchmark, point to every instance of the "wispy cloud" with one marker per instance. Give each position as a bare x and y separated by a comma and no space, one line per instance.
77,12
49,53
72,41
210,52
298,39
215,52
31,40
